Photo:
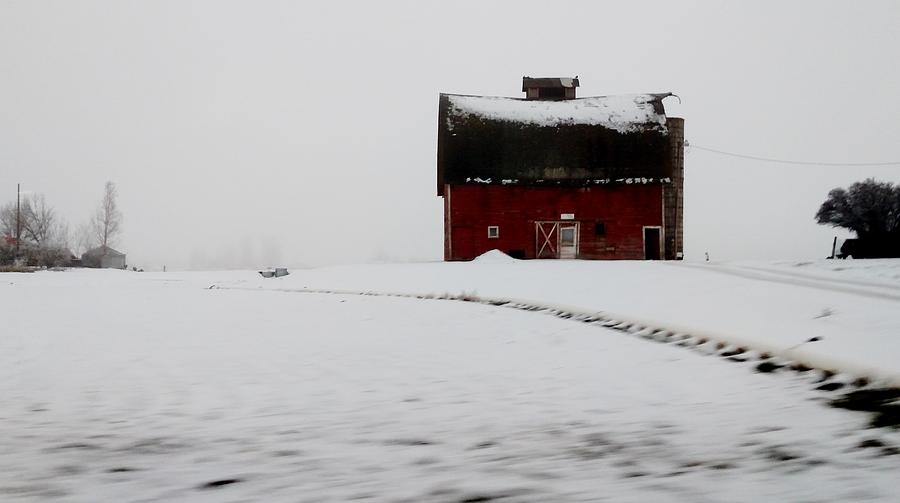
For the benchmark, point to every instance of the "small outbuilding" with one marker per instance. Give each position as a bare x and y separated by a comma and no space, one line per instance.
103,257
551,175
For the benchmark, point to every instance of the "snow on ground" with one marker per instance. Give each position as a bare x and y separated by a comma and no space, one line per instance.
118,386
878,272
494,257
853,306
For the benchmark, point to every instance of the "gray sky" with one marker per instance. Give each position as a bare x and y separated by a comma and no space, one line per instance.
245,134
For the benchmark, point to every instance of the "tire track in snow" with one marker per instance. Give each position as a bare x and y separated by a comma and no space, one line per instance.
829,375
838,281
788,279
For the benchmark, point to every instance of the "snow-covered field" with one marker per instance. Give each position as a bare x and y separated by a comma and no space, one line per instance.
118,386
852,306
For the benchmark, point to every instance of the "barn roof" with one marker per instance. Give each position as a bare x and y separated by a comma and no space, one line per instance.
101,251
622,113
602,139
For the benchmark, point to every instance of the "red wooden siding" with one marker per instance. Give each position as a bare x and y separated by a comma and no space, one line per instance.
623,209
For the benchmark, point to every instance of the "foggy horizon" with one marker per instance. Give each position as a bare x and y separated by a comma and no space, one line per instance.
247,135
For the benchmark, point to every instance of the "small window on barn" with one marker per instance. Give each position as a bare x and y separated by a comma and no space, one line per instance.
493,231
600,229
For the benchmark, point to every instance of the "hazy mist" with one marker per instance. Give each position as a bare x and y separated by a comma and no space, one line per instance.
249,134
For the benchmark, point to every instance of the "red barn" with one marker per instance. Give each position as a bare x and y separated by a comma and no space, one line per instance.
555,176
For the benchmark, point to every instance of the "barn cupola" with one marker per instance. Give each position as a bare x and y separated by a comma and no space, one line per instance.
549,88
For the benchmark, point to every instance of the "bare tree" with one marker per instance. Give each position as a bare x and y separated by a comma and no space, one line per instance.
8,219
107,221
62,235
83,239
38,220
43,236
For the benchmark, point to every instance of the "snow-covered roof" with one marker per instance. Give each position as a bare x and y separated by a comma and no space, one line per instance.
104,251
622,113
576,142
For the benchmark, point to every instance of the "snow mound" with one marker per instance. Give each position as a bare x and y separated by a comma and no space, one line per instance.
494,257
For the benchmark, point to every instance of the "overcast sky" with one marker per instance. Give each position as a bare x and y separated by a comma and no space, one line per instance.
247,134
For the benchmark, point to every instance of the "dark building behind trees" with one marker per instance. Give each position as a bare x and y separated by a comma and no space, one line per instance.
871,209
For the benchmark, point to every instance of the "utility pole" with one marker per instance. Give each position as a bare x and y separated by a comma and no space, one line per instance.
18,220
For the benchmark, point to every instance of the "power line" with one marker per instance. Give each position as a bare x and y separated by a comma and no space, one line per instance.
783,161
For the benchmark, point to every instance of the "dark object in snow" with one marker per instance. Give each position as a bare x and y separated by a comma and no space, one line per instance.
870,442
869,248
830,386
517,254
409,442
887,416
277,273
811,339
767,367
826,375
481,498
219,483
734,352
777,453
79,446
883,403
833,248
860,382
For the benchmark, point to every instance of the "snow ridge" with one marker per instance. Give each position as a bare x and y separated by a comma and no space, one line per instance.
734,348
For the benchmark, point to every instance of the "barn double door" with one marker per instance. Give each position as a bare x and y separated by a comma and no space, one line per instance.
556,239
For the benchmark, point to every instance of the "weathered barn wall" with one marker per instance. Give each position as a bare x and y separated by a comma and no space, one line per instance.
674,192
623,209
112,262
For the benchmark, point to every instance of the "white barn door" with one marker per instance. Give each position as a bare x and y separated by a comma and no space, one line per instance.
556,239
